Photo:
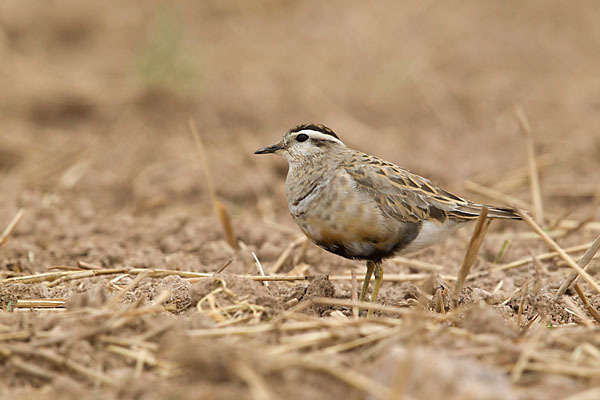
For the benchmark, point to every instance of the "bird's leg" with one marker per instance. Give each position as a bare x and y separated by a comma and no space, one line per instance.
378,280
367,280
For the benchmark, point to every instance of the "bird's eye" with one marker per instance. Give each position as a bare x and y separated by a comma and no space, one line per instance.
303,137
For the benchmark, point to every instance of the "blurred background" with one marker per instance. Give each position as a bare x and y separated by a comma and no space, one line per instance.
95,98
95,147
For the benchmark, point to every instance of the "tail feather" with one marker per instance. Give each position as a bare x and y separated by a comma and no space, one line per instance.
502,212
472,211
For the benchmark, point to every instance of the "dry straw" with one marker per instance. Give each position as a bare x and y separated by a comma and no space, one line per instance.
583,263
534,179
507,180
286,253
495,195
562,254
593,312
218,207
11,226
471,254
540,257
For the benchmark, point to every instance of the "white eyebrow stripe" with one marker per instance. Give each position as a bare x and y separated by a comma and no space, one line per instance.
319,135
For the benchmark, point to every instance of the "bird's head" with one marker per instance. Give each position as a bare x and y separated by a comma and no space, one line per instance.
306,141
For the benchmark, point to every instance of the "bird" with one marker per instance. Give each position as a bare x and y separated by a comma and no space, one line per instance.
361,207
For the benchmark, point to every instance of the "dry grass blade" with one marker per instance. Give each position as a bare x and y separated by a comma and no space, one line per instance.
559,219
275,278
49,171
31,368
439,293
302,253
506,181
63,268
204,160
588,278
224,266
64,276
593,312
11,226
219,209
86,274
529,324
534,178
159,273
41,303
583,263
226,223
354,294
110,303
573,309
496,195
51,276
261,271
471,253
85,265
286,253
540,257
590,216
569,224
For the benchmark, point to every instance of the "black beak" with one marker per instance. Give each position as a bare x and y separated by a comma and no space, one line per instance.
268,150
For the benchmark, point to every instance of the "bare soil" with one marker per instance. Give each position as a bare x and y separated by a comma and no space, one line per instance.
95,148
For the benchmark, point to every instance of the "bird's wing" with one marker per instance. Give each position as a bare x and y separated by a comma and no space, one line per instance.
412,198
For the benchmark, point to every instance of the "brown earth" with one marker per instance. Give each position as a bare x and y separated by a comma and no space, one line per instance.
96,149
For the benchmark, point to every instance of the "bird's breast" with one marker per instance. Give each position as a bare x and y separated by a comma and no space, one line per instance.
347,222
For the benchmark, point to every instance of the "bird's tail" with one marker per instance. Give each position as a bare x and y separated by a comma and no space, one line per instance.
502,212
472,211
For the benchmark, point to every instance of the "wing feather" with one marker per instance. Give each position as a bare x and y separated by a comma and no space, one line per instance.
411,198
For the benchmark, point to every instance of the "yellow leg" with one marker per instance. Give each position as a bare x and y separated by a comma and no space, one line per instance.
378,280
367,280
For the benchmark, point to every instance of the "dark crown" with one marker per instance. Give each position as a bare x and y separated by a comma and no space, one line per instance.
314,127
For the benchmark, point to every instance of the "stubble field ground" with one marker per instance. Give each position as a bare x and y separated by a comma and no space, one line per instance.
119,281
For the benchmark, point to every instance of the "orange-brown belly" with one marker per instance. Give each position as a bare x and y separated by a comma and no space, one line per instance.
362,235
